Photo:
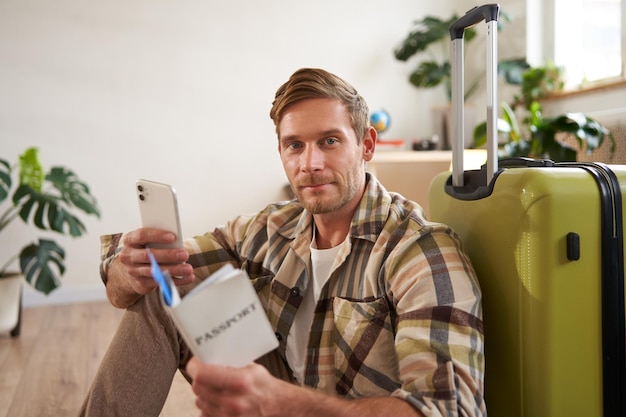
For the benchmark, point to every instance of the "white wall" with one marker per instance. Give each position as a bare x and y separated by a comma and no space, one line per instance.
180,92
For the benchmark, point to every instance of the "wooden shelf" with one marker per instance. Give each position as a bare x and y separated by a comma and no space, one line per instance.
411,172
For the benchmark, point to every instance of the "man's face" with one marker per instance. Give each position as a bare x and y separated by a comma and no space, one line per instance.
322,156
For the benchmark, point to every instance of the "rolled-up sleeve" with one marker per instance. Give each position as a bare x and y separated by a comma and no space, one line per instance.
110,246
439,339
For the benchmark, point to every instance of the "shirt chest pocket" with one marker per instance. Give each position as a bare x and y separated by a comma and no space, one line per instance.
366,363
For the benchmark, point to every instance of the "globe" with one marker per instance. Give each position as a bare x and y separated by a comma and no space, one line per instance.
380,120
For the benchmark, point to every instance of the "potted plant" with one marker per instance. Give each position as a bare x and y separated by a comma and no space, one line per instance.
435,69
47,201
429,39
535,82
542,137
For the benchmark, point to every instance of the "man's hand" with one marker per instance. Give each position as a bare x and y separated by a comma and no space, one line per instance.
130,276
253,392
136,261
226,391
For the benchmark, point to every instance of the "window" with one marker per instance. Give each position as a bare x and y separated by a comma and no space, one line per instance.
586,37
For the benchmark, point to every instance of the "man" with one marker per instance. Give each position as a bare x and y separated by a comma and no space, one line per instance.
377,310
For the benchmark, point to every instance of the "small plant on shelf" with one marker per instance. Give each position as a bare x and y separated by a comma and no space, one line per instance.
543,137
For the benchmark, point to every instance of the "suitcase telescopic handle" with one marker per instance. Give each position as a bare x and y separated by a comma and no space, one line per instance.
489,13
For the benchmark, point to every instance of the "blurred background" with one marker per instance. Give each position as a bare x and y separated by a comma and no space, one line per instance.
180,92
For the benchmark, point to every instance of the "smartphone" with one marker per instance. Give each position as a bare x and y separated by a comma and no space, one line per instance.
158,208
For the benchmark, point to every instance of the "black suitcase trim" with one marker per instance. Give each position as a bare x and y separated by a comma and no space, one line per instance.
613,320
475,185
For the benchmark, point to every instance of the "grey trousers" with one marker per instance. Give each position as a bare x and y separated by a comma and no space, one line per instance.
136,373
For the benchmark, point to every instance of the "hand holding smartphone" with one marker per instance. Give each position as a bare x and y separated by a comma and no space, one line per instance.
158,208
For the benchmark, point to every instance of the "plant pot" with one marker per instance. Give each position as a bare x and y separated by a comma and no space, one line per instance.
11,303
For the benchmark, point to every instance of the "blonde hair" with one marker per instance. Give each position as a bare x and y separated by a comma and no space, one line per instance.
307,83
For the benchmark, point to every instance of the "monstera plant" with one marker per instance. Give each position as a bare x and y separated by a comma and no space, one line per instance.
427,48
428,43
434,67
49,202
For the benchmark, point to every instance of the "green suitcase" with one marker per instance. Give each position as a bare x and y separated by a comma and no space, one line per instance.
547,247
546,241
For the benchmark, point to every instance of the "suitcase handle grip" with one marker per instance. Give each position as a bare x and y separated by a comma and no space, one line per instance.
487,12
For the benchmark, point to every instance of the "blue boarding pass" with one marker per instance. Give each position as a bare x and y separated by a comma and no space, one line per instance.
164,281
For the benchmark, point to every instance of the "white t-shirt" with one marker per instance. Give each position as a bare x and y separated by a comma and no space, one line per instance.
321,263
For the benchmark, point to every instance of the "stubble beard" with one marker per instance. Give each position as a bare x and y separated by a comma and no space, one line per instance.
323,204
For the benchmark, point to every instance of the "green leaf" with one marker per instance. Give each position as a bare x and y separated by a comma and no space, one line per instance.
480,132
588,132
49,213
64,218
535,113
517,149
5,179
538,82
73,191
430,74
594,134
539,137
21,198
509,117
42,265
560,152
470,34
425,32
31,171
512,70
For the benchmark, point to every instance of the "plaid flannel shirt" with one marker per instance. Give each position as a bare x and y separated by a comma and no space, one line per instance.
400,314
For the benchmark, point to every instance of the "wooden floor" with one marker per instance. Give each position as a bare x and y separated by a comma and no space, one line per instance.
47,370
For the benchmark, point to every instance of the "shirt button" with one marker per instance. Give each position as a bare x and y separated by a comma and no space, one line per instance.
278,336
295,291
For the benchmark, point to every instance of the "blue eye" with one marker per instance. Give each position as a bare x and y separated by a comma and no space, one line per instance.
331,141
